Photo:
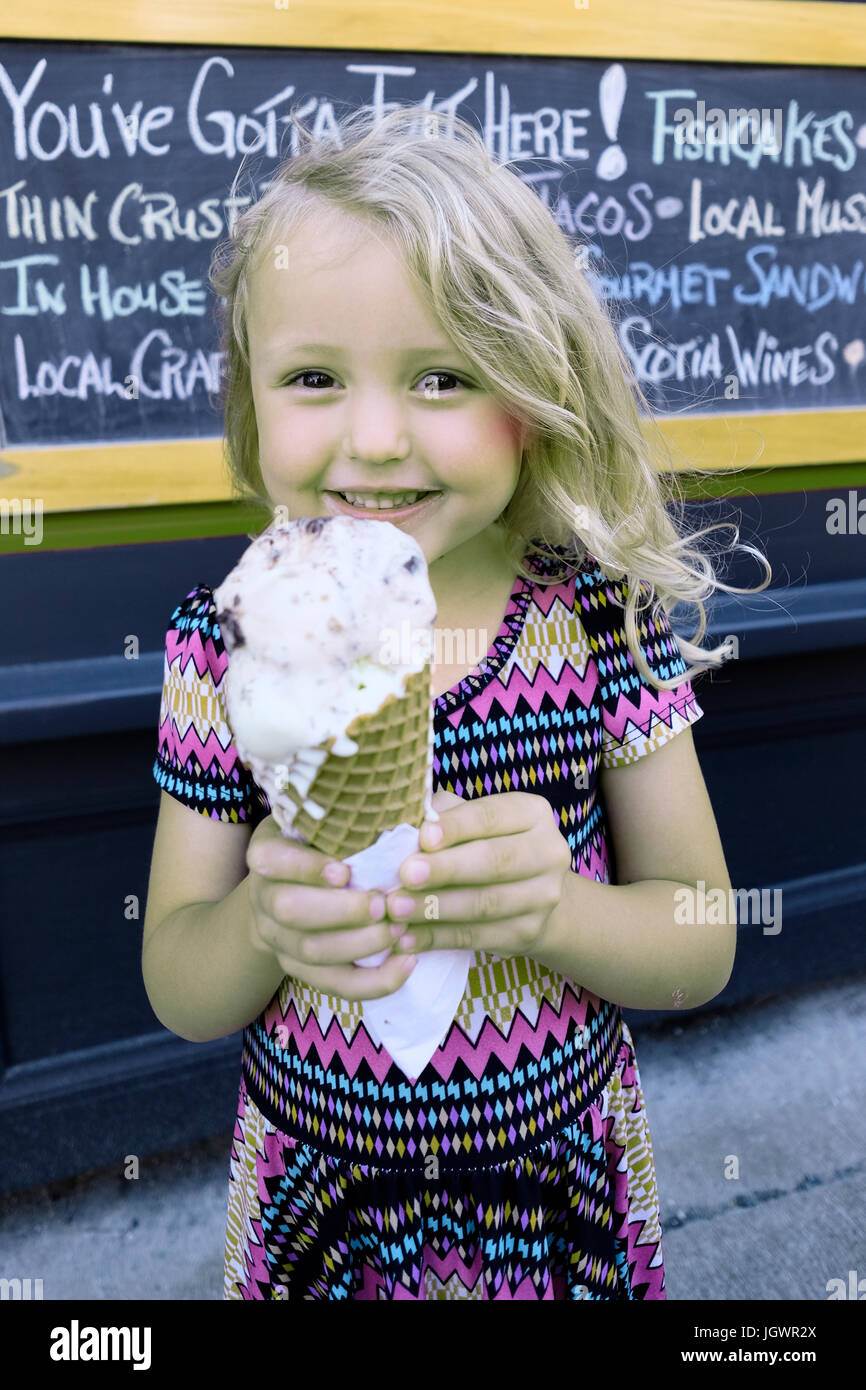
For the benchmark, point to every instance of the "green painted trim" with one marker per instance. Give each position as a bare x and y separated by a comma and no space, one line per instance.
808,477
139,525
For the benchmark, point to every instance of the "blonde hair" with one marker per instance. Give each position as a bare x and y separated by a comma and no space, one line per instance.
502,279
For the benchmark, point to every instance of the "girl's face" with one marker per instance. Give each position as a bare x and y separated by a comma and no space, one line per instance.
356,388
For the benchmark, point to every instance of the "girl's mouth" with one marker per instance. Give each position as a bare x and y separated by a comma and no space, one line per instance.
382,509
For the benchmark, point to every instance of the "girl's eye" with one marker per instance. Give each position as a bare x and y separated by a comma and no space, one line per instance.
429,390
432,376
311,372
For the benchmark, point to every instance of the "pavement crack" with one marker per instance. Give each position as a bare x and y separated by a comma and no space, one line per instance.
677,1219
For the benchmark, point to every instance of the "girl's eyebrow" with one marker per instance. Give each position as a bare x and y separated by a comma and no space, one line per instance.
431,349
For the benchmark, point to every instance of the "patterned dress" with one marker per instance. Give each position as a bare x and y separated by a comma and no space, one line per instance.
519,1164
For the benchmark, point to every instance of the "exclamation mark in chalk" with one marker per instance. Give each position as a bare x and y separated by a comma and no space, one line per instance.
611,96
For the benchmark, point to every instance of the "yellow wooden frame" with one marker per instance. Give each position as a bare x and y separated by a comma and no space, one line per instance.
801,32
717,31
69,479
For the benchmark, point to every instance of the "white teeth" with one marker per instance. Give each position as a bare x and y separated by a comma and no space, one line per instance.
383,501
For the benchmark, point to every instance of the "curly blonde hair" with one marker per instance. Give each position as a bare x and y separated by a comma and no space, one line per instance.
504,282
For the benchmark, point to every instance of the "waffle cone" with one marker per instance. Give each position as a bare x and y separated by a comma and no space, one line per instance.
385,783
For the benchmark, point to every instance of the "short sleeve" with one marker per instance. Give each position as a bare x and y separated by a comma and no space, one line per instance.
196,760
636,717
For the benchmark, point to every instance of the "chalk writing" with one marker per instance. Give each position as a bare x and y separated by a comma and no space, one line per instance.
719,212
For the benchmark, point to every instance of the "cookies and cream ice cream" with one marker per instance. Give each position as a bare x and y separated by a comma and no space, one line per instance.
323,619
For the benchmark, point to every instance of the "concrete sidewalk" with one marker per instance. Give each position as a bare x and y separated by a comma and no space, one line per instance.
775,1088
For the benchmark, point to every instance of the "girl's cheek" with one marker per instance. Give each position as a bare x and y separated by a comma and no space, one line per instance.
504,431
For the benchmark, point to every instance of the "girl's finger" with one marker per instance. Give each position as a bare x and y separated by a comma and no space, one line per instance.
277,858
500,813
489,902
511,938
321,909
504,859
343,948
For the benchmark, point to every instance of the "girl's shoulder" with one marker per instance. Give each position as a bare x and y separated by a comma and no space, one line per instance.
196,612
578,572
196,759
599,598
629,702
193,634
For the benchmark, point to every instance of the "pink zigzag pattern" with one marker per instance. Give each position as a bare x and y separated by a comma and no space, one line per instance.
640,1254
189,745
189,646
651,703
270,1164
445,1268
545,595
253,1252
551,1024
534,690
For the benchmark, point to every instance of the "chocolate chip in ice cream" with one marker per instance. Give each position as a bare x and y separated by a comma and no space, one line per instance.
229,624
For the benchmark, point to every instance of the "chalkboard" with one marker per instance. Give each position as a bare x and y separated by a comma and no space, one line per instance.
733,256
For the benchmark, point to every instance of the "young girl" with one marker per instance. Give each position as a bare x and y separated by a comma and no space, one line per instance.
405,316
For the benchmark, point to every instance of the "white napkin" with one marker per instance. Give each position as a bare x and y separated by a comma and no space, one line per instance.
412,1022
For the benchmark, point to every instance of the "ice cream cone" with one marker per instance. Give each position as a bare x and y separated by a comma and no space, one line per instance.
386,783
328,626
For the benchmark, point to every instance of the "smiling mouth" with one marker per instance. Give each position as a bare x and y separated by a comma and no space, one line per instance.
383,503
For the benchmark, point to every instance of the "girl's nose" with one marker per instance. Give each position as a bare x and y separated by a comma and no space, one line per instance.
377,432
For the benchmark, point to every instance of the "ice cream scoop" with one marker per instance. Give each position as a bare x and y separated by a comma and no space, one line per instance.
328,623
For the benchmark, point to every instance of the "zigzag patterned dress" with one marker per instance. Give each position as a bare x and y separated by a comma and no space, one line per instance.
519,1164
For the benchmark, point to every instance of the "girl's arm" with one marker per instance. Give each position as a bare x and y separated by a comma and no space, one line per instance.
203,976
643,943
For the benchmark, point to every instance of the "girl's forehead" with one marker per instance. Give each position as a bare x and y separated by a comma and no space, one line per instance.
308,268
323,230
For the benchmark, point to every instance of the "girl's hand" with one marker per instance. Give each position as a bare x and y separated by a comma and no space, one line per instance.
314,929
493,881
